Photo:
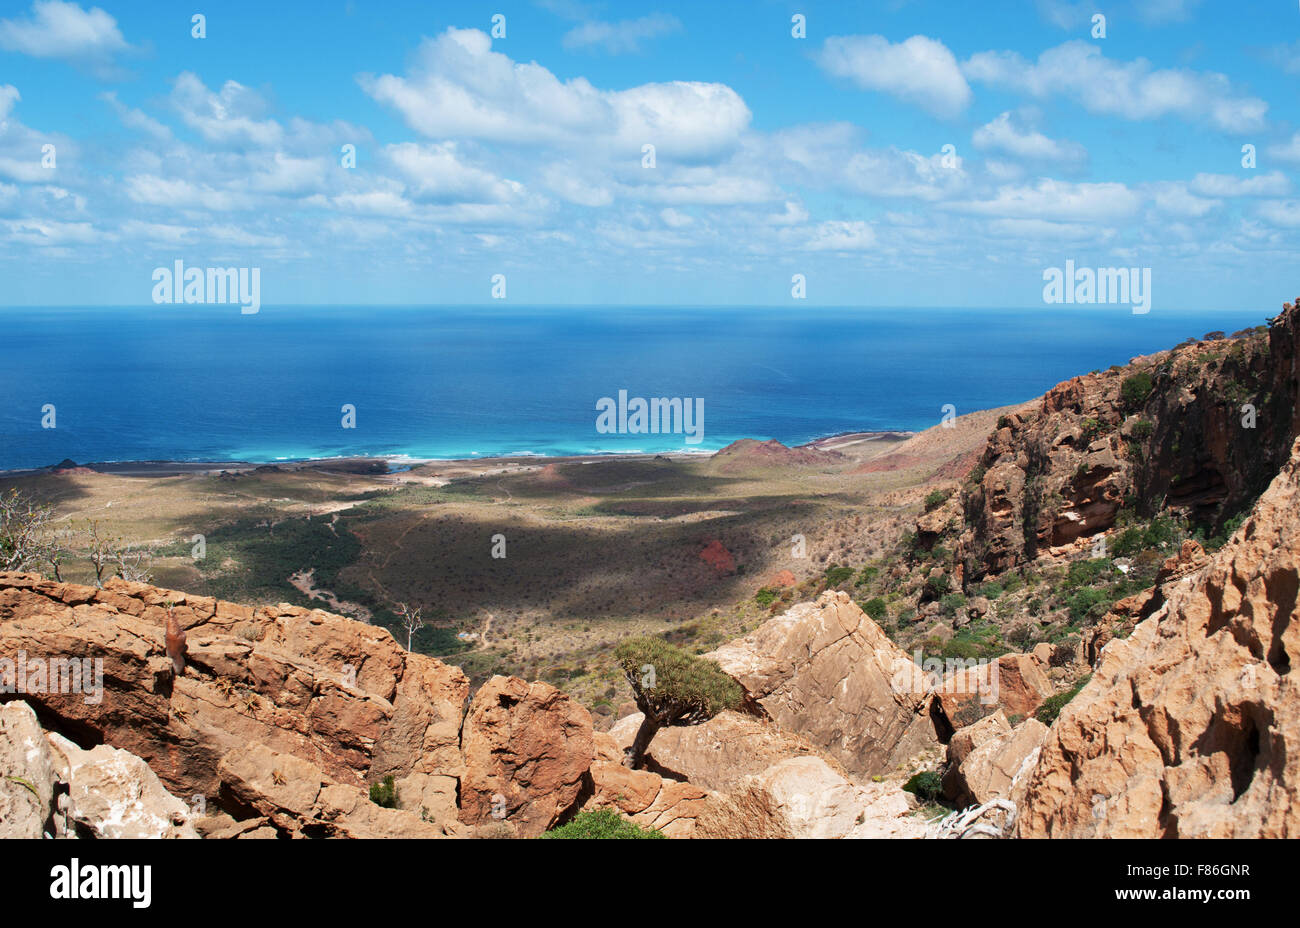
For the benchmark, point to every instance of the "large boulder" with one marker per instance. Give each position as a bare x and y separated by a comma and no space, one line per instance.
527,749
26,774
826,671
1190,727
1014,683
993,764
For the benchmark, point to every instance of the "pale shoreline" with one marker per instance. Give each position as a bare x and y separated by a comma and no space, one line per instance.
363,466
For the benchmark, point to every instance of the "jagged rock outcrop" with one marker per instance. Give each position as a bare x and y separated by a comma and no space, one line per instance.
1201,428
27,782
827,672
1190,727
340,694
297,799
527,748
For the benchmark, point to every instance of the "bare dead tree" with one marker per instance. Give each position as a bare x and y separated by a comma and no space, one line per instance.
411,621
24,526
100,553
132,563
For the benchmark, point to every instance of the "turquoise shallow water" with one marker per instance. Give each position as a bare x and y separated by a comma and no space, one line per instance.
207,383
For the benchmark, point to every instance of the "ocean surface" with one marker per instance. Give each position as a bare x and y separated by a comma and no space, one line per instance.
203,382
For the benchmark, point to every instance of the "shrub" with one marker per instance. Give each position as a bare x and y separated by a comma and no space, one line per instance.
837,575
765,597
1133,392
1087,605
1142,429
952,602
384,793
936,498
926,786
937,586
875,608
1052,705
601,824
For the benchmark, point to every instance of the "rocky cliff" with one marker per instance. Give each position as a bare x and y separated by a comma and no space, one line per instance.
1201,428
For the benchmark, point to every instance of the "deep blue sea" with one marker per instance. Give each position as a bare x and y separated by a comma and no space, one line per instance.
204,382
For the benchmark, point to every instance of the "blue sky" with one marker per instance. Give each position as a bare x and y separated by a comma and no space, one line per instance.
774,155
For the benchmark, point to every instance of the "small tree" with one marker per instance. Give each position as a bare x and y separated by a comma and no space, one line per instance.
671,688
411,621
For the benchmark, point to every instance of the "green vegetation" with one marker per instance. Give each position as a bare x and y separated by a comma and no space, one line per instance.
926,786
1053,705
602,824
1158,533
1135,389
672,687
936,498
765,597
876,608
1088,605
837,575
384,793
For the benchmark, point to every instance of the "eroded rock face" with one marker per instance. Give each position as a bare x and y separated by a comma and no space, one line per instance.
1014,683
670,806
828,673
527,748
339,694
995,763
1191,726
717,754
1055,475
27,785
803,797
296,799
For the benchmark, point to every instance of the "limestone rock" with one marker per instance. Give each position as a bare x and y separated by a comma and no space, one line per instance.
527,748
669,806
26,774
998,766
1190,727
1014,683
827,672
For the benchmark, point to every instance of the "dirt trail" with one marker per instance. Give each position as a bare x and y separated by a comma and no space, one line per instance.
305,582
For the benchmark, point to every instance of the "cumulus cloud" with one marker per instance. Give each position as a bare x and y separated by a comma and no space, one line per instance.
227,117
621,37
460,88
1272,184
1134,90
55,29
919,70
437,173
1003,135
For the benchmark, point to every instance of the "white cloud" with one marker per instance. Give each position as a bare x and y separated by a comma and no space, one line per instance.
1285,213
1174,198
181,194
1288,151
624,36
919,70
1003,135
675,219
135,119
55,29
1273,184
436,173
1055,200
228,117
460,88
1133,90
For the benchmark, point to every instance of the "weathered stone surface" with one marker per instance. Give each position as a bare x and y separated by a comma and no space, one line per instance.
299,800
26,774
669,806
827,672
717,754
1191,726
528,744
998,766
803,797
340,694
1014,683
114,794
